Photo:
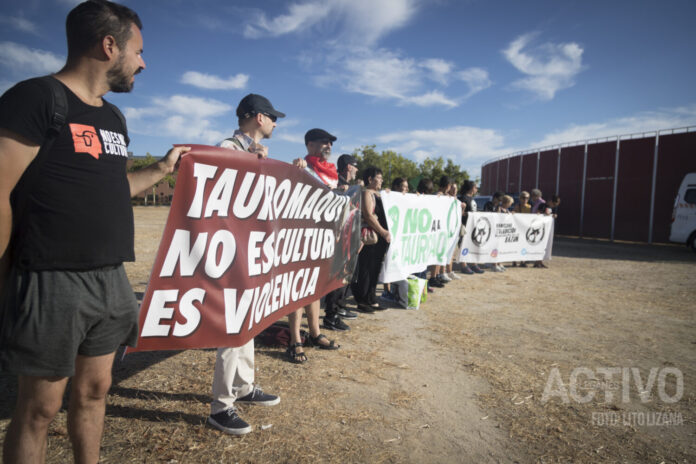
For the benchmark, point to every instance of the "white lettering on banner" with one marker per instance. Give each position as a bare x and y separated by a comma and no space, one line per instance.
158,312
259,302
289,246
259,193
180,251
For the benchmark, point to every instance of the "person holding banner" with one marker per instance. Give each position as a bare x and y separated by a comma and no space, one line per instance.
233,376
66,227
318,143
449,188
469,189
371,256
335,301
347,170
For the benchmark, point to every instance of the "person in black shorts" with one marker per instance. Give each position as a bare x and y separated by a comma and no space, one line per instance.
66,227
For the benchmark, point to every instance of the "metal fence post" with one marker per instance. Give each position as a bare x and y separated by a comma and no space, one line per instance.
654,187
616,185
582,198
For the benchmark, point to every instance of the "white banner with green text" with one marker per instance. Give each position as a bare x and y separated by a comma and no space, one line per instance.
425,230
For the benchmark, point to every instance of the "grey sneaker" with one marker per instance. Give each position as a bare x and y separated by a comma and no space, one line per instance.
229,422
345,314
257,396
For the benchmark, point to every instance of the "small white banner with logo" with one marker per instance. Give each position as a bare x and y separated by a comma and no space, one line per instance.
424,229
498,238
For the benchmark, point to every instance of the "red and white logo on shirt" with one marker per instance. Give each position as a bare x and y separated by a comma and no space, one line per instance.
86,140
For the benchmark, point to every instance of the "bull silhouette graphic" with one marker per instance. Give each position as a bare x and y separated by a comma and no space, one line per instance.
535,233
481,232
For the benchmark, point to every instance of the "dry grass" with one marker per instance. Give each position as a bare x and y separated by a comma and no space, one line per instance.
486,343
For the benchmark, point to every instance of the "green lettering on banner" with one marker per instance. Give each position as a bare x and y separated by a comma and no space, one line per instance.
425,220
410,221
394,216
452,220
441,244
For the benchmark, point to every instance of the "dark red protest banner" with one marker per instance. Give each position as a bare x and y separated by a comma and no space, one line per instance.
247,241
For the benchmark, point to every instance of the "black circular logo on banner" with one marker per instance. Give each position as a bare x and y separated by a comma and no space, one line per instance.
481,232
535,233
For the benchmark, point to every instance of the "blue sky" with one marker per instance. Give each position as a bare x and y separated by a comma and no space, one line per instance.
464,79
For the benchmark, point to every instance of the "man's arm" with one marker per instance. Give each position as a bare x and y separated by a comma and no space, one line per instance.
16,153
143,178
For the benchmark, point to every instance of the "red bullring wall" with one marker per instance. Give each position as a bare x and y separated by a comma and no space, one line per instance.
616,188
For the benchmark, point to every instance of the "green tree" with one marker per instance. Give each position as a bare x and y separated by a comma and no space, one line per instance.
392,164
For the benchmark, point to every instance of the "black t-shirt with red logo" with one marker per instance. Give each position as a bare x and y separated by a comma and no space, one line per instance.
77,215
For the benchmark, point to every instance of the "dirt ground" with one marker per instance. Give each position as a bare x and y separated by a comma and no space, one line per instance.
460,380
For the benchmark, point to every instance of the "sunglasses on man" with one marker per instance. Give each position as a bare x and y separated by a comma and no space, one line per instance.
271,117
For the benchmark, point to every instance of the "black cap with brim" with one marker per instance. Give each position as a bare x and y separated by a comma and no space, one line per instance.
253,104
346,160
318,134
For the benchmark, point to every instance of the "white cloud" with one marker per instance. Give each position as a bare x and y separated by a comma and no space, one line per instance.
347,21
549,67
466,146
381,74
642,122
385,74
476,78
209,81
438,70
22,60
21,24
348,31
460,143
431,99
299,17
191,118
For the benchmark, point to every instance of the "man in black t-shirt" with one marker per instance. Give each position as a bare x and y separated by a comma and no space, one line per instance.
66,227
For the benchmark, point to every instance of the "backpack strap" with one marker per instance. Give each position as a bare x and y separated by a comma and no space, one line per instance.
21,192
121,118
237,142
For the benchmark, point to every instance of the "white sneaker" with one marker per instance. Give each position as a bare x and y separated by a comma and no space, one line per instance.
445,278
501,268
453,276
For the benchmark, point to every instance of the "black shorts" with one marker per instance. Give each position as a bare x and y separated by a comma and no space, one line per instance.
49,317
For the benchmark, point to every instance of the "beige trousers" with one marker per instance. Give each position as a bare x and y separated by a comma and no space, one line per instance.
233,376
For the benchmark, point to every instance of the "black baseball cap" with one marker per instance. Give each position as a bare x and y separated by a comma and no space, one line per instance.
346,160
253,104
318,134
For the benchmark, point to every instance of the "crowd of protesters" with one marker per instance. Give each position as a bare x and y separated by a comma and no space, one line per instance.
82,306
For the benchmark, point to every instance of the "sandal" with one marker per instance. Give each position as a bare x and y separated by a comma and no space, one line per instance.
315,341
294,356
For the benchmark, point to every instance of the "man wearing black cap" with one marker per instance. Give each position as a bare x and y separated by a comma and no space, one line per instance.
233,378
347,169
257,119
318,143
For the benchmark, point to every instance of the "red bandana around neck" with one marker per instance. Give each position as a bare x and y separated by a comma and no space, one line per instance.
325,170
